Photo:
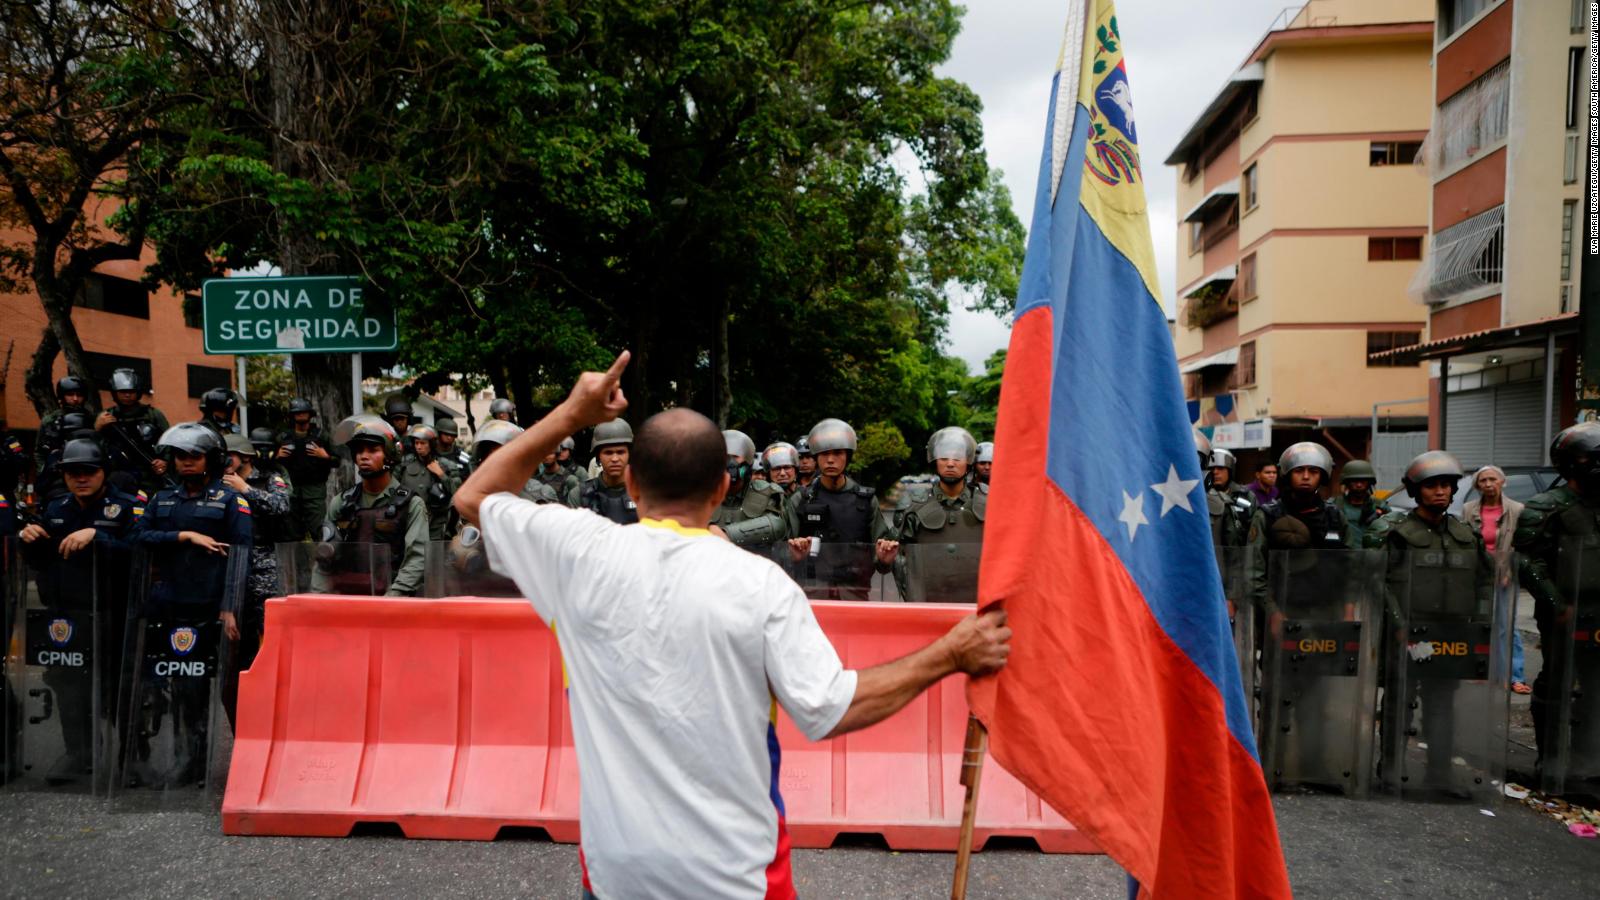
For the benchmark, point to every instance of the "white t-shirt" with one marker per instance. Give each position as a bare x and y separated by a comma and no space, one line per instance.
678,646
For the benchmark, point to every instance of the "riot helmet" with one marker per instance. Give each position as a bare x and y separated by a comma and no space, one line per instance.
238,443
421,432
616,431
83,453
502,406
1576,455
264,441
565,448
1358,470
366,428
781,454
76,424
301,405
219,400
126,380
446,425
70,384
803,446
194,438
1306,454
739,444
831,434
395,406
985,452
1429,466
494,434
952,443
1221,459
1202,447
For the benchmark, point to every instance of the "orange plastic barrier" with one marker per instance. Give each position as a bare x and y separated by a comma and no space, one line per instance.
448,718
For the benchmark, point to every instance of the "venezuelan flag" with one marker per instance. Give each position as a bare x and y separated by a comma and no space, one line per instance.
1121,705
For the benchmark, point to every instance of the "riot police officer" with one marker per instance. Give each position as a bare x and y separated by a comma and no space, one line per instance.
985,464
806,465
751,514
47,483
78,554
503,409
758,472
378,509
1234,516
398,413
268,492
306,463
783,461
556,477
839,518
1301,517
941,530
1440,589
424,475
71,394
1558,536
451,456
1360,508
129,430
495,434
217,407
564,458
606,495
196,538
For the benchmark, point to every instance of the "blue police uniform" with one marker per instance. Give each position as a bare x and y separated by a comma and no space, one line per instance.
184,579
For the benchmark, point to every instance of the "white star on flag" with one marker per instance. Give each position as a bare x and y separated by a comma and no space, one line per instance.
1133,513
1174,491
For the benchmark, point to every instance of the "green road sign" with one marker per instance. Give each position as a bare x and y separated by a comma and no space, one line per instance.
312,314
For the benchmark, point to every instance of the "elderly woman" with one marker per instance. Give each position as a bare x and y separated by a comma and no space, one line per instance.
1494,516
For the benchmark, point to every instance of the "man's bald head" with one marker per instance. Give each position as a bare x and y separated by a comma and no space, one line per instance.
678,455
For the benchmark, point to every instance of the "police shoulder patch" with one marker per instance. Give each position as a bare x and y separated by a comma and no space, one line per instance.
244,505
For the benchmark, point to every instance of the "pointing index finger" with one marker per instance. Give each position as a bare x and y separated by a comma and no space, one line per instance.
615,372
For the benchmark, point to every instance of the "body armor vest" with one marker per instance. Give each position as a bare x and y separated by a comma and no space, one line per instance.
1441,569
613,503
956,525
381,523
838,517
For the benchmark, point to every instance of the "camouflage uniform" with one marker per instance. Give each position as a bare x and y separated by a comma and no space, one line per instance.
933,519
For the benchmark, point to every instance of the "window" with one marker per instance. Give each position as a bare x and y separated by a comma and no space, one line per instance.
204,378
1465,257
1574,86
115,295
101,365
1379,341
1382,249
193,311
1475,117
1251,110
1244,372
1393,153
1569,212
1248,194
1455,14
1196,228
1247,278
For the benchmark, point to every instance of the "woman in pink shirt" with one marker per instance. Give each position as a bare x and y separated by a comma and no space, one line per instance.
1494,516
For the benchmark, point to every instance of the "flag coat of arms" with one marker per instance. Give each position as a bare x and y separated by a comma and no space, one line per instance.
1121,705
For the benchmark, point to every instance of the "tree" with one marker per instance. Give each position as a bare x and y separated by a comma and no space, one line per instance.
86,94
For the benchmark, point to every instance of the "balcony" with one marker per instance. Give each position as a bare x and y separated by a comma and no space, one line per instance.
1212,300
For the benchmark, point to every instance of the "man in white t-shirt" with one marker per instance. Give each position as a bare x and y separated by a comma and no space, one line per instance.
678,648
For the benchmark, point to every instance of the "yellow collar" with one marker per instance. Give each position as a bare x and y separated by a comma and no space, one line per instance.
671,525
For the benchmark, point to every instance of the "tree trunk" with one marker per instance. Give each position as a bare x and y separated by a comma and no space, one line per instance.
37,383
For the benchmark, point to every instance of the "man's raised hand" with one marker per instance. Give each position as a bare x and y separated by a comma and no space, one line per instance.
597,397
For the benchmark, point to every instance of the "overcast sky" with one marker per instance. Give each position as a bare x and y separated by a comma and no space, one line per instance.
1178,55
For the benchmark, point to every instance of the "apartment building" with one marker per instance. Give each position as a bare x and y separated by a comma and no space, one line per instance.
1499,281
1301,225
121,323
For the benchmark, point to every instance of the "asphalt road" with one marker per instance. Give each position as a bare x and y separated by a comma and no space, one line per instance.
65,847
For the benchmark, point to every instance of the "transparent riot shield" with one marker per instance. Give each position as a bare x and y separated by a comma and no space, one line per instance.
938,572
173,737
1244,584
827,571
1319,673
57,665
459,567
1566,695
1446,702
335,567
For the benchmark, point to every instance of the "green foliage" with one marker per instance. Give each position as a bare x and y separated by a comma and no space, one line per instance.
881,454
269,384
539,185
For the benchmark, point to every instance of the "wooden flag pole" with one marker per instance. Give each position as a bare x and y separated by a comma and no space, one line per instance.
971,774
